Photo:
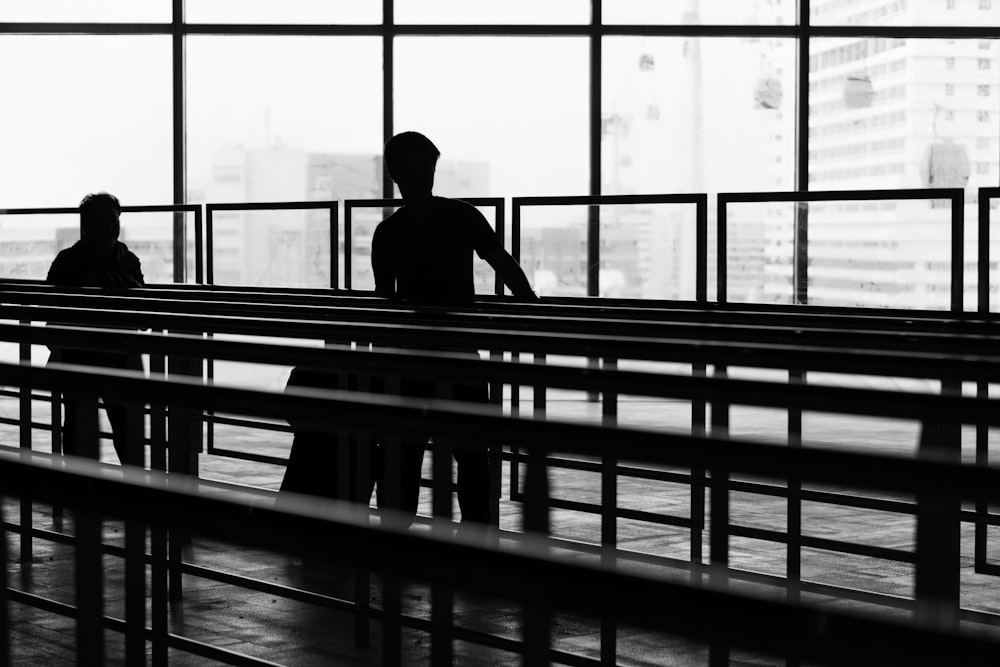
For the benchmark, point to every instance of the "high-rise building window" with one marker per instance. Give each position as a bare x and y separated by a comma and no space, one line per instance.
984,91
983,116
950,4
984,63
985,4
949,89
949,63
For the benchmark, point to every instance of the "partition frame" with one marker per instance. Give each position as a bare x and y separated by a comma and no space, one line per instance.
329,205
700,200
497,203
955,195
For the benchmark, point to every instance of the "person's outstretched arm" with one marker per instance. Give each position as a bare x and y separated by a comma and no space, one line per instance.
511,274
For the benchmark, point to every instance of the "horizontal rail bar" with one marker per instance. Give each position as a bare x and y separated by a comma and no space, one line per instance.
524,571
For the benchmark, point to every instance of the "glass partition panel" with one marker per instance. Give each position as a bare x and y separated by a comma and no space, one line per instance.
647,251
92,113
29,243
886,253
506,126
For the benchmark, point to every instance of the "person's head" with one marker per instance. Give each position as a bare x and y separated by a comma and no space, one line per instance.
410,159
99,224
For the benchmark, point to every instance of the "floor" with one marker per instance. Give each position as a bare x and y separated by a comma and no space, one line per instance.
285,631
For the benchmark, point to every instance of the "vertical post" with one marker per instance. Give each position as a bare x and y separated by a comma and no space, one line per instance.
499,228
135,542
209,246
721,256
4,600
348,262
800,241
983,265
937,581
199,247
800,250
594,212
25,504
719,535
179,136
793,555
88,568
334,248
701,248
609,516
184,432
958,251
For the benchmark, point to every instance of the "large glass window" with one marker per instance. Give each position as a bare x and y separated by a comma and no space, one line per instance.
913,13
83,114
510,126
285,11
698,12
694,115
91,11
282,119
484,12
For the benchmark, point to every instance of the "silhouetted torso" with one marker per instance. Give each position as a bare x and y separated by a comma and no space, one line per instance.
76,266
424,254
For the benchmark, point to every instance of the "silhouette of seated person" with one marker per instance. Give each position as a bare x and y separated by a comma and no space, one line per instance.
423,255
98,259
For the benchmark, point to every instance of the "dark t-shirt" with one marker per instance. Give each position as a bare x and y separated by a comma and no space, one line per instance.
428,259
77,267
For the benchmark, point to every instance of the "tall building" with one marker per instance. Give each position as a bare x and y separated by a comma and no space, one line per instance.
899,114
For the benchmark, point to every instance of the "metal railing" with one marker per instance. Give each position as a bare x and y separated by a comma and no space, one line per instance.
612,383
614,595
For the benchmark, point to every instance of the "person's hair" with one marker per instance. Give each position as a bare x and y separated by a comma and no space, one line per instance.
96,209
407,144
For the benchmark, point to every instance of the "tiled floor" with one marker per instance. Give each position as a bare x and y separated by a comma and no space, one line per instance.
286,631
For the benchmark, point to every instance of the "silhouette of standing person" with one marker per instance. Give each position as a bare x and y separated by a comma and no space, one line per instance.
98,259
423,254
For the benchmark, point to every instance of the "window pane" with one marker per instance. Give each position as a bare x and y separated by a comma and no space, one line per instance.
284,11
905,113
506,127
511,126
98,120
915,13
697,115
491,12
695,12
93,11
282,119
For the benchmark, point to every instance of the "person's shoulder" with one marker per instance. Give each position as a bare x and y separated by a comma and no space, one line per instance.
69,254
458,208
123,251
